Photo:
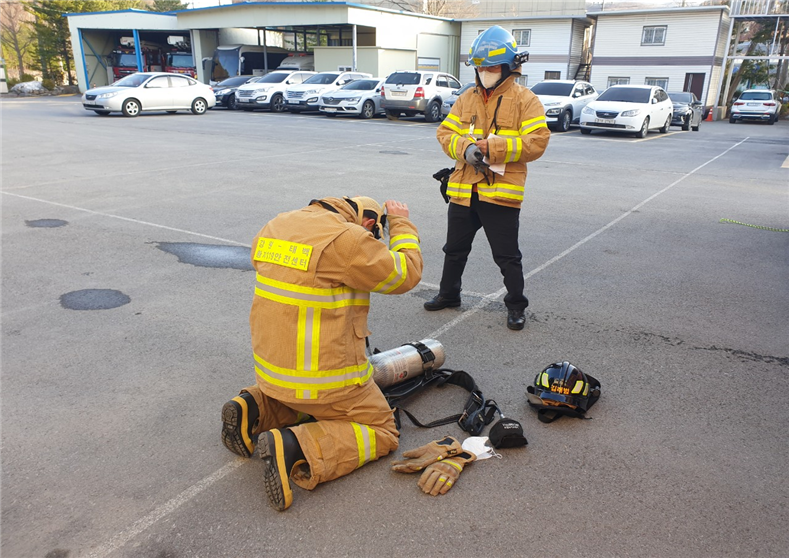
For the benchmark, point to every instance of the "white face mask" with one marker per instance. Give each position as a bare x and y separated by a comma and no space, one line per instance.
477,446
489,79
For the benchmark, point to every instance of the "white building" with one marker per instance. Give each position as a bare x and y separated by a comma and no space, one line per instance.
679,49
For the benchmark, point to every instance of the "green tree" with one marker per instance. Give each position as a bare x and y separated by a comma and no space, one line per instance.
167,5
18,38
54,39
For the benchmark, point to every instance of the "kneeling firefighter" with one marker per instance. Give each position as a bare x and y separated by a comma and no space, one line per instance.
315,412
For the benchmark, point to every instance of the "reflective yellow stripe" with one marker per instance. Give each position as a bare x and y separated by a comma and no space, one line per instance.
513,143
530,130
579,385
455,465
297,295
544,380
453,146
527,122
459,190
365,441
397,276
497,51
451,116
305,381
500,189
451,126
508,133
404,242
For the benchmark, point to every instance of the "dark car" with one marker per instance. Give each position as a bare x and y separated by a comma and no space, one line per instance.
225,90
450,101
688,111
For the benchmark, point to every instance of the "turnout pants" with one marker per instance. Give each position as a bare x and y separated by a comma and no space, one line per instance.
501,225
345,434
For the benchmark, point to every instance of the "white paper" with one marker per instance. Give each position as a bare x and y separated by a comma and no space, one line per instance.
498,168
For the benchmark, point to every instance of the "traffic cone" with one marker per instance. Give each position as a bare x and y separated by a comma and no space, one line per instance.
709,115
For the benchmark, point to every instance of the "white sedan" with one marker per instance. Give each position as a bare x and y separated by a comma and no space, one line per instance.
633,109
150,91
361,98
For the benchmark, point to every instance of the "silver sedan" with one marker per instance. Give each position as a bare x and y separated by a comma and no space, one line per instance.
150,91
361,98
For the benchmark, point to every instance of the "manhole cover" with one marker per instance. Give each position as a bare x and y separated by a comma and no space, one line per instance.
46,223
93,299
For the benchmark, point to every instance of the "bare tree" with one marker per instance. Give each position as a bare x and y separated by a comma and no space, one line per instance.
17,35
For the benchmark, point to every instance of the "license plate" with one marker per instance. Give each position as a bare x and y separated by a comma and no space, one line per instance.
398,93
327,109
603,121
754,104
292,102
242,100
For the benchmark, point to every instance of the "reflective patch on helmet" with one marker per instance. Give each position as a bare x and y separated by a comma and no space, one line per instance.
586,390
544,380
477,61
497,52
579,385
514,44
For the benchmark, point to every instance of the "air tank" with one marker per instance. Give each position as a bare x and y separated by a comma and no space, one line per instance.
404,362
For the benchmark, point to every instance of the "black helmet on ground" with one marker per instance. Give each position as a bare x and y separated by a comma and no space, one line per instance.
562,389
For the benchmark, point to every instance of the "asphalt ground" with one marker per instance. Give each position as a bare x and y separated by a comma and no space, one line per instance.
111,417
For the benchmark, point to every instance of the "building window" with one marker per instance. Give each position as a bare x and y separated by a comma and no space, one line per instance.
523,80
553,75
660,82
618,81
522,36
655,35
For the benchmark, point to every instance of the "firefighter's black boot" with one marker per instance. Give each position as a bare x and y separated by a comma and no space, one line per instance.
239,419
279,450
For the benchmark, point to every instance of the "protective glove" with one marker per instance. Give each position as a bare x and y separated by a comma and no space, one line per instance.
474,157
439,477
421,457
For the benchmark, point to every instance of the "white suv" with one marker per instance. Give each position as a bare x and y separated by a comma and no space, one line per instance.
268,92
307,95
563,101
414,92
756,104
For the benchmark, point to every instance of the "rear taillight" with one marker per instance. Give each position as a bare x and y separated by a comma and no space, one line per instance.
769,104
420,93
383,92
738,103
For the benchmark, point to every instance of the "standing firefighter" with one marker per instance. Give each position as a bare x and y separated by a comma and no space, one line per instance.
505,122
315,411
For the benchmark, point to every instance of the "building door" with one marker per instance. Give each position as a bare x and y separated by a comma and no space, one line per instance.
694,83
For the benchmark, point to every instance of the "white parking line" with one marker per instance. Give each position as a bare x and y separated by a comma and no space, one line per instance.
786,163
162,511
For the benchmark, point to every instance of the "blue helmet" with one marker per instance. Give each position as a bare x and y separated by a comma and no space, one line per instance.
493,47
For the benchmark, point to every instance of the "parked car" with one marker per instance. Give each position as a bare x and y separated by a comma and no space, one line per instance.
446,107
563,101
146,91
688,111
225,90
306,96
633,109
756,104
361,97
268,92
417,92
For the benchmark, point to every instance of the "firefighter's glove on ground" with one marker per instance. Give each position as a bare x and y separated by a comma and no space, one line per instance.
439,477
474,158
421,457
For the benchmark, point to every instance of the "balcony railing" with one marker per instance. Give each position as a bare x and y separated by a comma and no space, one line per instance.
759,7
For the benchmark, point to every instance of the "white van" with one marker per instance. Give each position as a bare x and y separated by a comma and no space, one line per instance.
268,91
306,96
298,62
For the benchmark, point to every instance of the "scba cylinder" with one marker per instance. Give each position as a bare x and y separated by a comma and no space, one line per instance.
409,360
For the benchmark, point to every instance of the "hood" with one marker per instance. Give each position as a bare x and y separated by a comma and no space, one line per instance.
106,89
311,86
547,99
616,106
346,94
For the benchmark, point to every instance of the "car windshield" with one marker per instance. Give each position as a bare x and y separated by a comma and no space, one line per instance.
178,60
681,97
756,96
273,78
234,81
361,85
404,78
322,79
625,94
548,88
134,80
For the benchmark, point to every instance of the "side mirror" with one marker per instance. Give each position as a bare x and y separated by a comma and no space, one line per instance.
455,91
654,101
